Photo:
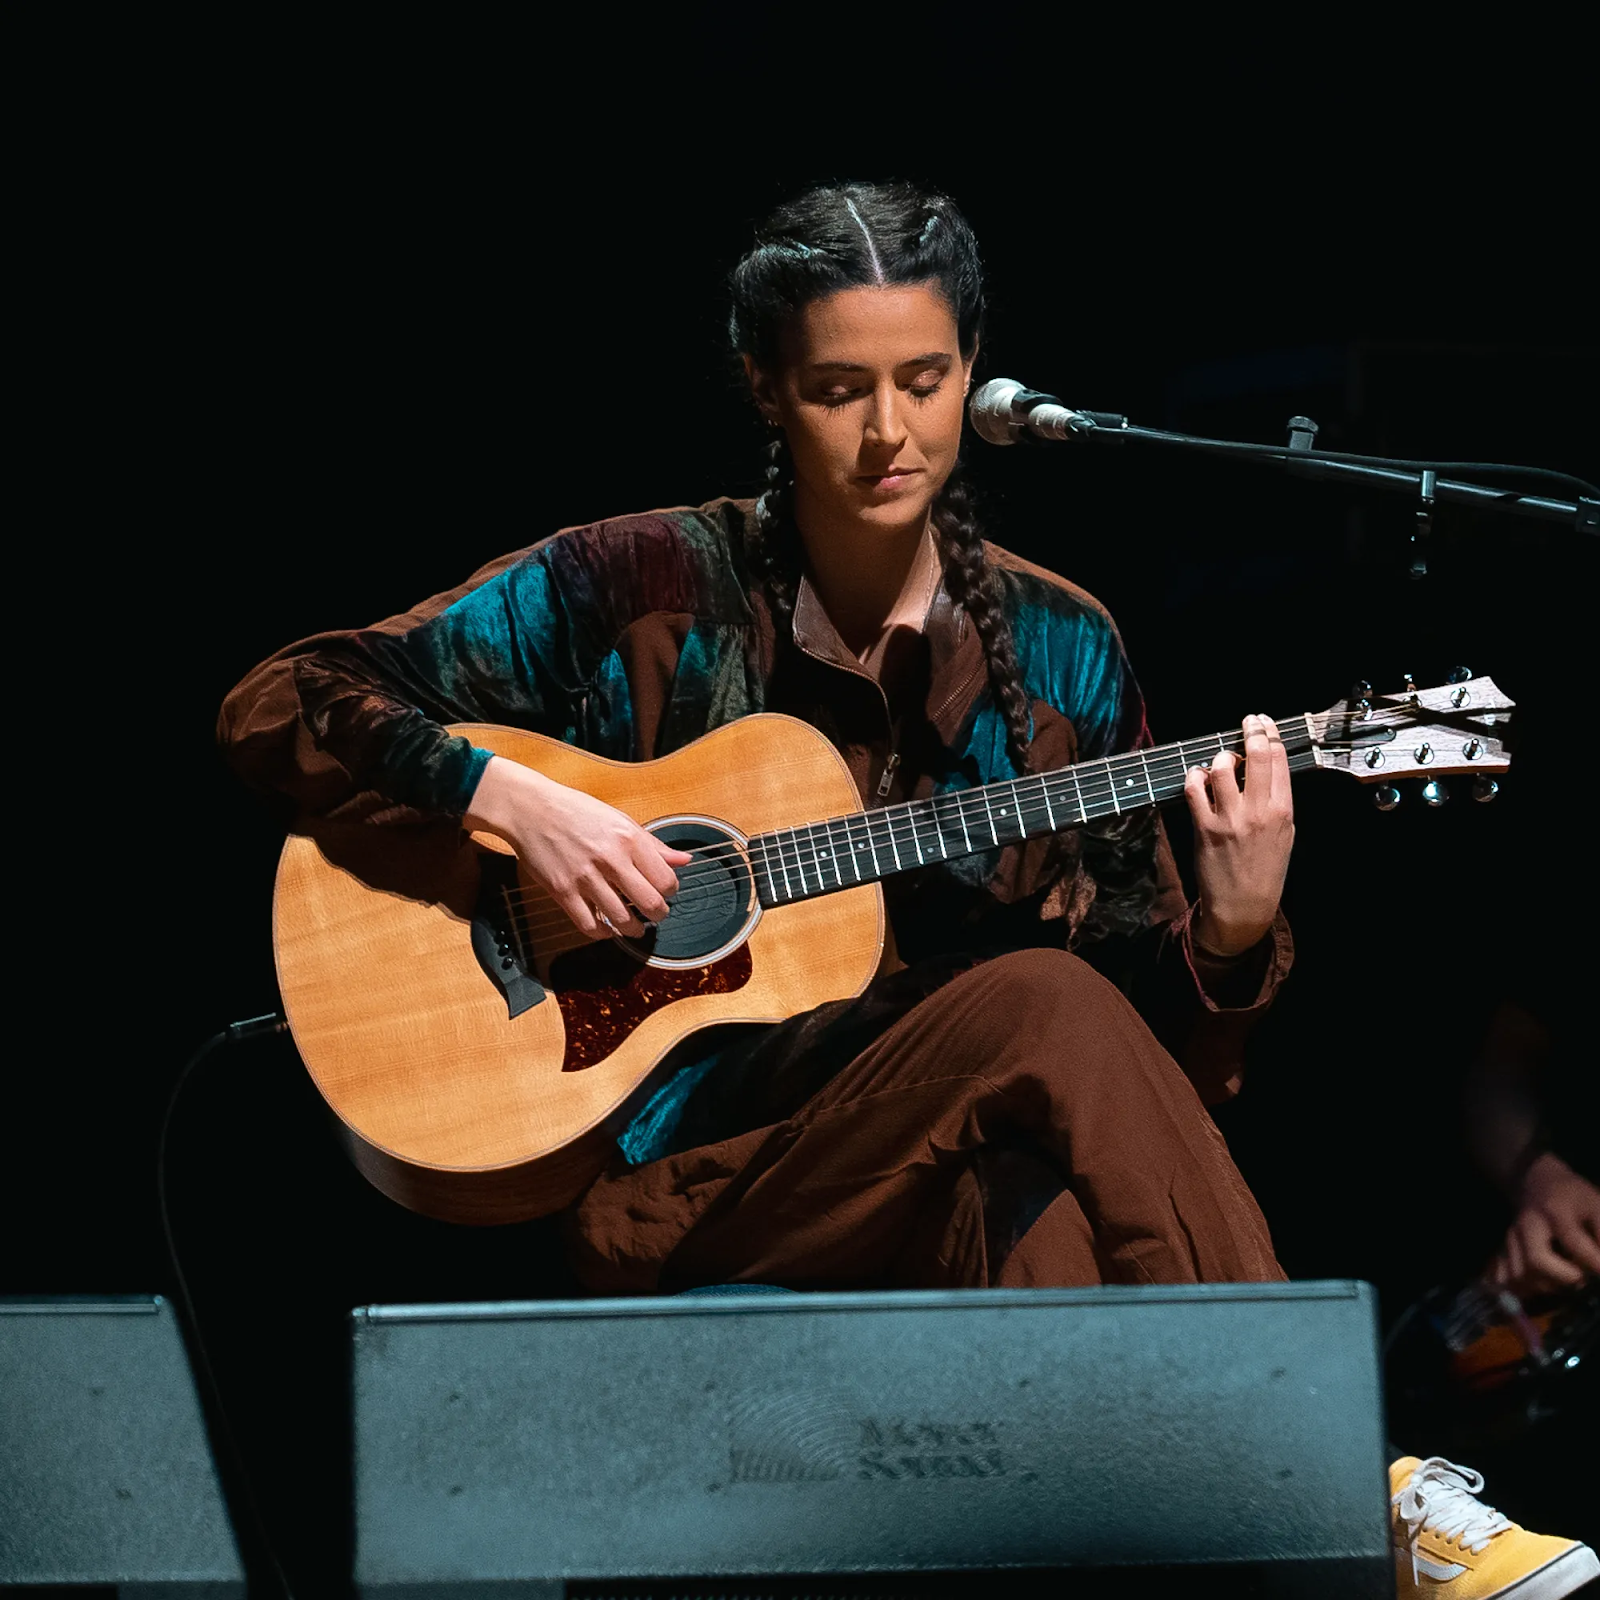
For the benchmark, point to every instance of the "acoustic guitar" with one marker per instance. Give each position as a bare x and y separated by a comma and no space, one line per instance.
481,1055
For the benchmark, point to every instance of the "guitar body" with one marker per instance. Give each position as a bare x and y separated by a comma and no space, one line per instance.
481,1058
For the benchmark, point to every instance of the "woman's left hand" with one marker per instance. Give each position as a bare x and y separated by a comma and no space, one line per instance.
1242,839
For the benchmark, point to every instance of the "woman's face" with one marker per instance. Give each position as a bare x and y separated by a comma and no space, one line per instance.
870,393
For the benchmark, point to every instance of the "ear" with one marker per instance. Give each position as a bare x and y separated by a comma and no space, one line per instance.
966,370
763,389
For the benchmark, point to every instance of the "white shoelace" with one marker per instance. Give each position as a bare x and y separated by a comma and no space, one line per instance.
1441,1497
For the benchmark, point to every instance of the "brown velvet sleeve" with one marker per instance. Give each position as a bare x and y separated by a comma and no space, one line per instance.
530,640
1202,1007
275,743
1222,999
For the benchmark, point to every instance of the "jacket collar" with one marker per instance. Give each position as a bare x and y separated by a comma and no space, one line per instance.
956,665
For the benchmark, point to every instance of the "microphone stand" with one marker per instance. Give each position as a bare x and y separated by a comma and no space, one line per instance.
1421,480
1418,479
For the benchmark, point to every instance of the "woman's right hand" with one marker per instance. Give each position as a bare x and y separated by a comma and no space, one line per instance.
586,855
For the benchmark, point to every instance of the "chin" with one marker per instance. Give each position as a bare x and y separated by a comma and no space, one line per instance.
895,511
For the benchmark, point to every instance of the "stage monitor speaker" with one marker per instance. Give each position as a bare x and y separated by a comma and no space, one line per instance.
106,1474
858,1441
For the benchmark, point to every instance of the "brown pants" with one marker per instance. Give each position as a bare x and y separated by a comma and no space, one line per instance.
1019,1126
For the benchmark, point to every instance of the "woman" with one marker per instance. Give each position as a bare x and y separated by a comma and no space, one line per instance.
992,1109
858,595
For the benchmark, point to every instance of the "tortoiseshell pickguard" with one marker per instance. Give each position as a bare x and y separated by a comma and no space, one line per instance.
604,995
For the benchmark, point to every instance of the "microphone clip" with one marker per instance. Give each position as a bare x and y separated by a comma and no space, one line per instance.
1025,400
1079,422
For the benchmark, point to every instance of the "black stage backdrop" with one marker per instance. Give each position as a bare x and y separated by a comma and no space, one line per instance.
331,336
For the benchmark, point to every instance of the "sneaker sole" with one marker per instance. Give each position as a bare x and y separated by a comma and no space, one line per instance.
1555,1578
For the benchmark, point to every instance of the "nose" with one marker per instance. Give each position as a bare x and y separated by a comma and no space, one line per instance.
884,427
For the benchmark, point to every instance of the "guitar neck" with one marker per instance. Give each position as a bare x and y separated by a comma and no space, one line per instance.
800,863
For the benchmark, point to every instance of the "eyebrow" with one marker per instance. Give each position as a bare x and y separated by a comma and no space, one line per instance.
931,358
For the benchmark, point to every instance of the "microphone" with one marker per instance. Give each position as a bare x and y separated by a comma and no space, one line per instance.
1003,410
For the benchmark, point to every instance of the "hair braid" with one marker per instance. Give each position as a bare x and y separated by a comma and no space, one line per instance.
975,586
775,552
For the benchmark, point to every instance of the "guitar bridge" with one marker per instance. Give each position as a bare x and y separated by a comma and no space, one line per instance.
496,938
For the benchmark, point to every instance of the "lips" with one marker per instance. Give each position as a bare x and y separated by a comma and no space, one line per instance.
892,479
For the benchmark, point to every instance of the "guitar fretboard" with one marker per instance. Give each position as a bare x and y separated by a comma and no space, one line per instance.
821,857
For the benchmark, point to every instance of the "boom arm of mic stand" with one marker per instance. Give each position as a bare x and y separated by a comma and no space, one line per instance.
1422,484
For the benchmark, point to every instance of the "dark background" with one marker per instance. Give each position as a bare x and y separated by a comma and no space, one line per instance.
326,324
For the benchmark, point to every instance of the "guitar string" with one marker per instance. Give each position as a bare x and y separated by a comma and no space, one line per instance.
906,828
1155,763
690,891
903,827
546,914
971,806
903,824
555,934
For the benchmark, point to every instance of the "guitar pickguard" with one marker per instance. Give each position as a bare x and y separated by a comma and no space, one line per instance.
604,995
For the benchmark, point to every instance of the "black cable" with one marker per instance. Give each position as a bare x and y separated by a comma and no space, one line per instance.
250,1028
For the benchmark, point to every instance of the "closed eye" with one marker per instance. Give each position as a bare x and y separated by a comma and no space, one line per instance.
924,387
839,383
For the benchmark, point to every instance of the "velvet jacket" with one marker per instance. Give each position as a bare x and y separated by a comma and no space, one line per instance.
633,636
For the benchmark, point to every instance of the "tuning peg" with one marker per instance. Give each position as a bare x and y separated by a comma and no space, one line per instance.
1484,790
1386,798
1434,792
1459,674
1361,690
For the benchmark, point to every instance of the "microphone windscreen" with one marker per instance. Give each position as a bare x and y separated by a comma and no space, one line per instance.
990,411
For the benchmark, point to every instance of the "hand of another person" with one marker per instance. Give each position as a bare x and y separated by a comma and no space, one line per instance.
1554,1239
1242,839
593,861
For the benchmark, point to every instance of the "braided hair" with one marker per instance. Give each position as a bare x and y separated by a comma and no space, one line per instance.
854,236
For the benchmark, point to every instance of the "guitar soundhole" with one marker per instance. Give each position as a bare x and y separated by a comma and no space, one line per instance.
606,990
715,900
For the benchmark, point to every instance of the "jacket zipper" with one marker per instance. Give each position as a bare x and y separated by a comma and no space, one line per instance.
887,780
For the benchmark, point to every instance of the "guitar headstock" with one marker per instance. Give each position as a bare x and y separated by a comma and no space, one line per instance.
1458,727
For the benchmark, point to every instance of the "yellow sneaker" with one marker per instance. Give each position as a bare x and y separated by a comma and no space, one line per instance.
1450,1545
